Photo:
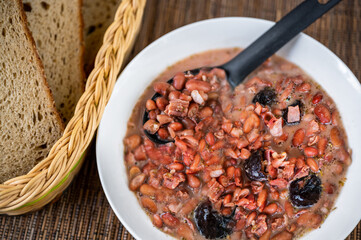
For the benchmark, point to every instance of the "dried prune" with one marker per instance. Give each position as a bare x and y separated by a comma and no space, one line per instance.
253,166
210,223
305,191
267,96
285,112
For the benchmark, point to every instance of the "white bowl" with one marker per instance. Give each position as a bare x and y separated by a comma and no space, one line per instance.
319,62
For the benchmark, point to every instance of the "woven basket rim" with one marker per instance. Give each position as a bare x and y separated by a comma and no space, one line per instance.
49,178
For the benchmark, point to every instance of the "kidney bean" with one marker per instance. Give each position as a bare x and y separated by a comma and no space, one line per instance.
193,181
245,153
242,143
310,151
139,153
178,81
218,145
262,198
270,208
151,126
198,85
309,219
161,88
163,133
170,220
176,166
304,87
227,199
157,221
283,236
210,139
176,126
292,228
322,113
149,204
312,164
134,171
136,182
317,98
188,207
205,112
173,95
298,137
133,141
335,137
248,125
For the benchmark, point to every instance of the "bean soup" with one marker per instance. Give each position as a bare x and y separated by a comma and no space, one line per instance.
265,160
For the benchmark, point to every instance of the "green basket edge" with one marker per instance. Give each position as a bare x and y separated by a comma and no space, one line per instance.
55,187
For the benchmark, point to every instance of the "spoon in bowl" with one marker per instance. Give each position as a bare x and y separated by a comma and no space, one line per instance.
264,47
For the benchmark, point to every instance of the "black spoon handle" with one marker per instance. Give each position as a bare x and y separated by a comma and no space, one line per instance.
271,41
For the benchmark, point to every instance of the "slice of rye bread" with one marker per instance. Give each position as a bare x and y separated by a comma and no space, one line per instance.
57,28
29,121
97,15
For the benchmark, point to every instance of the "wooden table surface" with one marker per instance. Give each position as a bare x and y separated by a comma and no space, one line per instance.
83,212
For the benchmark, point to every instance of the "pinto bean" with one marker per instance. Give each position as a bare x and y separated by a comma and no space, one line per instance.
176,166
173,95
193,181
152,115
245,153
163,133
251,217
185,232
310,151
266,235
283,236
188,123
321,145
133,141
157,221
161,102
322,113
147,190
317,98
176,126
289,209
136,182
312,164
298,137
150,105
304,87
149,204
335,137
170,220
161,88
262,198
270,208
134,171
178,81
309,219
198,85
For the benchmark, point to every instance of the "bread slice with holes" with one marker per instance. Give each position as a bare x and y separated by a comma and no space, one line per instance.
97,15
57,28
29,121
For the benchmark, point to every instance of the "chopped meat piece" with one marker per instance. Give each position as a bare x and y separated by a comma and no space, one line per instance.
215,190
199,97
171,181
293,114
313,128
279,182
274,124
177,107
260,226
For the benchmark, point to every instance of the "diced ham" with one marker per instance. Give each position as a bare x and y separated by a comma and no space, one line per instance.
177,107
279,182
216,171
275,127
288,171
171,181
293,114
301,172
260,226
313,128
215,190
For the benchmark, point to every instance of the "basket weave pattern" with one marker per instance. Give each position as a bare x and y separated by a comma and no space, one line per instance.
50,177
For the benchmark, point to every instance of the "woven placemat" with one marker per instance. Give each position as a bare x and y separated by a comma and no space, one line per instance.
83,212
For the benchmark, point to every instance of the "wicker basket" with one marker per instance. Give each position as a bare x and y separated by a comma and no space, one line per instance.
49,178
